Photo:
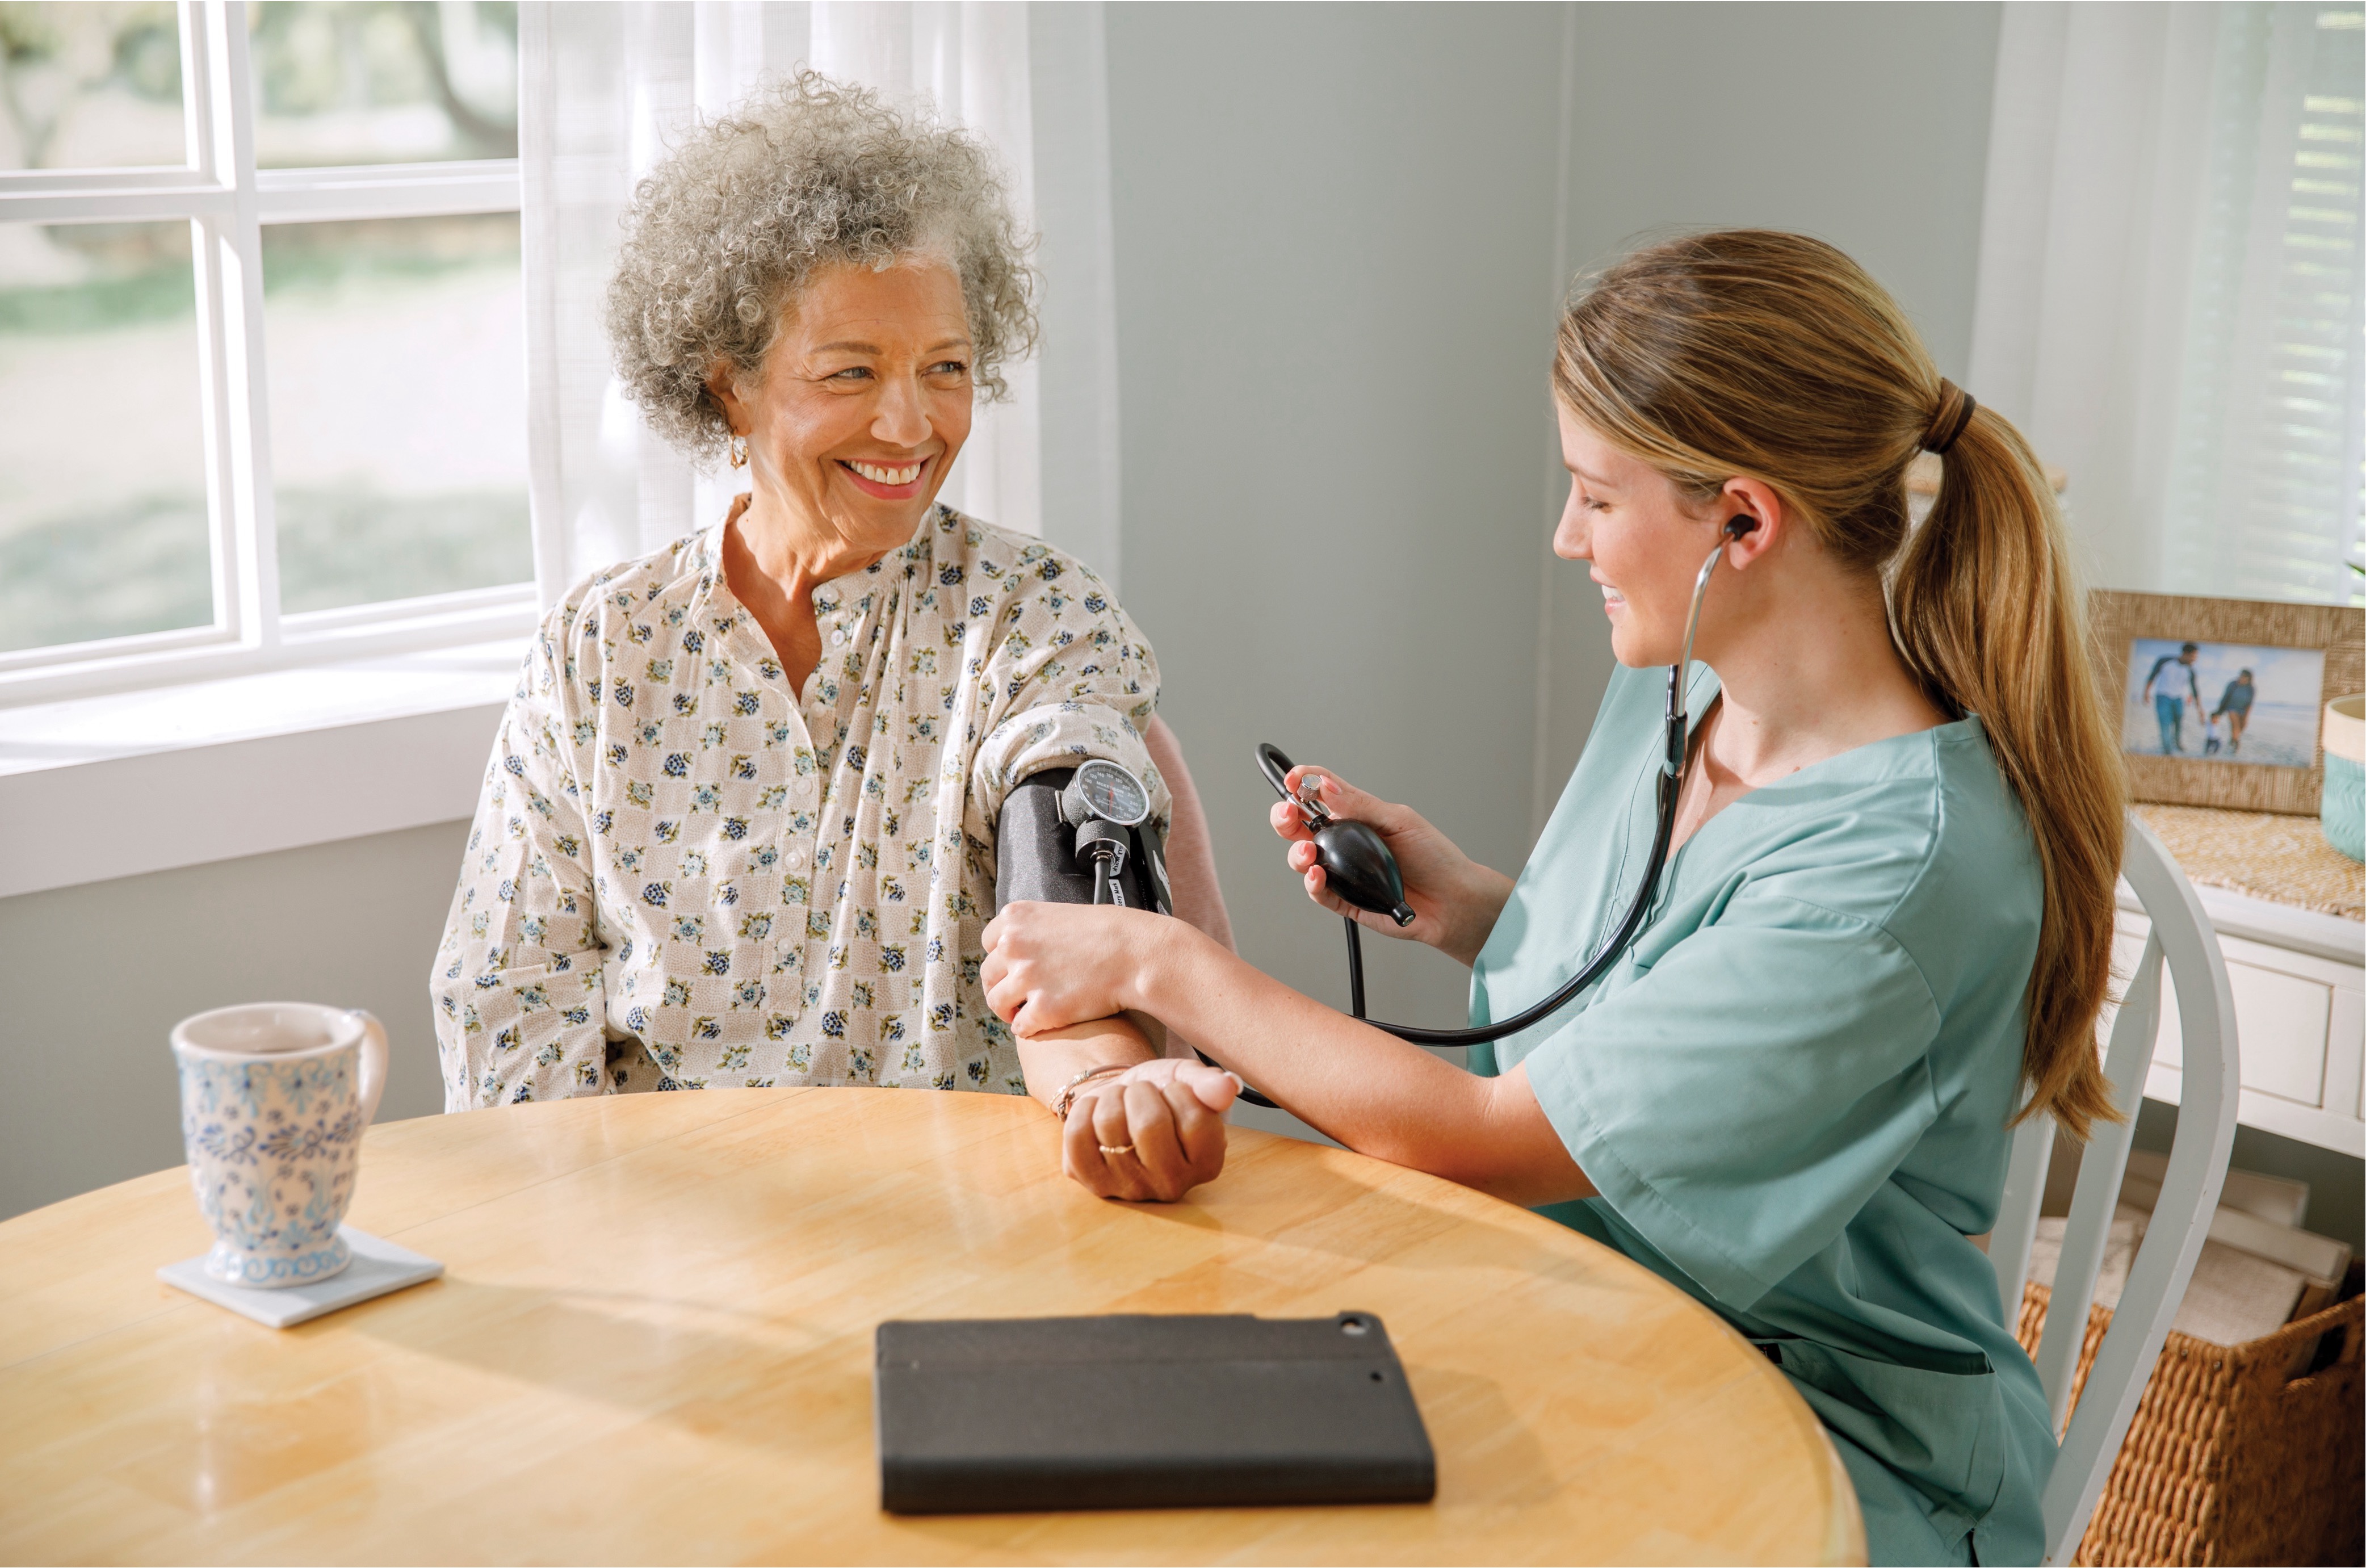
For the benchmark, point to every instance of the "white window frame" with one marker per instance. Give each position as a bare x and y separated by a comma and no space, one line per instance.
227,201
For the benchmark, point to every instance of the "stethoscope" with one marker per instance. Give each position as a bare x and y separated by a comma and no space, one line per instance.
1357,865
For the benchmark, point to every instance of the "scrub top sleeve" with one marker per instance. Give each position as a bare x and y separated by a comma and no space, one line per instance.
1739,1103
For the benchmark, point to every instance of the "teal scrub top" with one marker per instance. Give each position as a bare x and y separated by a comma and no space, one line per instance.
1791,1092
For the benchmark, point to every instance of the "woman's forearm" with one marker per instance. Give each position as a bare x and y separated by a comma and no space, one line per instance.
1052,1060
1369,1090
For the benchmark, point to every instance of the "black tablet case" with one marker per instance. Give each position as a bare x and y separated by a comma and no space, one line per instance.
1009,1414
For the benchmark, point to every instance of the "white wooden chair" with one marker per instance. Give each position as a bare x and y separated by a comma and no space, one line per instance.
2183,938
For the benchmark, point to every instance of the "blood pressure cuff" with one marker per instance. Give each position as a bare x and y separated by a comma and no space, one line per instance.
1035,852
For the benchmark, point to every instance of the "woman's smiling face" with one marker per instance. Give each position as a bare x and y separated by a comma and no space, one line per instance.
1643,541
865,399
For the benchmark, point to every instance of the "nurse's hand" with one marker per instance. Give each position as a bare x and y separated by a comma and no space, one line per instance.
1049,965
1151,1134
1455,900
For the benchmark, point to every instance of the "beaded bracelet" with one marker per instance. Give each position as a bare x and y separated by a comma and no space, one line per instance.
1068,1091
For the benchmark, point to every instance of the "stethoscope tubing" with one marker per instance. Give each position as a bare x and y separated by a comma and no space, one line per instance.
1594,968
1670,787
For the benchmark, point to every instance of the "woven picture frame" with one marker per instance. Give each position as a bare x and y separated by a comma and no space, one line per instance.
2118,619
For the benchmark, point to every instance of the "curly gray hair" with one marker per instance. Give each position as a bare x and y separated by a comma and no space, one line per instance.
721,237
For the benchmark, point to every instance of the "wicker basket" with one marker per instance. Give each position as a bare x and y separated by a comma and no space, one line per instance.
2250,1454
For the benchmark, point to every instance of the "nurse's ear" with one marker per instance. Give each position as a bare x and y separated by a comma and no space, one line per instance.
1754,520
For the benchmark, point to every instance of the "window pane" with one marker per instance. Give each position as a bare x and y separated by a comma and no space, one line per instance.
102,451
372,82
396,350
88,86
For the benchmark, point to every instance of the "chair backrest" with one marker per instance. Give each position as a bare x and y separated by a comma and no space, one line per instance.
2181,936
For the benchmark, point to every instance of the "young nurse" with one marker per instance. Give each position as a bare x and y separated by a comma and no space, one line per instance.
1885,928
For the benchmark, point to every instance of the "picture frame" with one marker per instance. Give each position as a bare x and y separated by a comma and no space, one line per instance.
2190,681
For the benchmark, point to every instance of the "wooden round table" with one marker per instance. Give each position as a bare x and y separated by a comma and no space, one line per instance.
653,1343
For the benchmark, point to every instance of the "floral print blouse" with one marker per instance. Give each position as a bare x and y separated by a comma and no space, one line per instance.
684,874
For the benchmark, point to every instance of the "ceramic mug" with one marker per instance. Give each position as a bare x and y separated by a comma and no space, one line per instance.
2343,807
274,1100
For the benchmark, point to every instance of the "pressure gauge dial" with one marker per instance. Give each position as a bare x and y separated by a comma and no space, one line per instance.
1103,790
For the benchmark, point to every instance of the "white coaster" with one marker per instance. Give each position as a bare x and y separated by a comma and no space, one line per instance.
377,1268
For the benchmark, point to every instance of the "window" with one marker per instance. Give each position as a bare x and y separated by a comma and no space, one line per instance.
2268,493
262,359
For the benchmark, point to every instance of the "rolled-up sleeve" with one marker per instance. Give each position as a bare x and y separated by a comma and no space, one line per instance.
1739,1103
1072,679
519,978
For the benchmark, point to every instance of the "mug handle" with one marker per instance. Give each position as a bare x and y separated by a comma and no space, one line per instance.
374,1059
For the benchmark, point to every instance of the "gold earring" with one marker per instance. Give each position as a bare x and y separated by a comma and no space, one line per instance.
739,451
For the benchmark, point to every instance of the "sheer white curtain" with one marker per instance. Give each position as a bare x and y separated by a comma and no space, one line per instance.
2169,297
607,89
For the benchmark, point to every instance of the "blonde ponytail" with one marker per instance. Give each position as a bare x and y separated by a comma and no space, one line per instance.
1773,355
1985,611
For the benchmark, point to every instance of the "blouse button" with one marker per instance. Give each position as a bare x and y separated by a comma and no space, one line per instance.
797,858
837,638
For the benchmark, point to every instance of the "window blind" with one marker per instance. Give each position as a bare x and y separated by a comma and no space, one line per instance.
2269,498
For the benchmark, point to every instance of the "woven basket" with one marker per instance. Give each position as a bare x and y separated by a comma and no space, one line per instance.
2253,1453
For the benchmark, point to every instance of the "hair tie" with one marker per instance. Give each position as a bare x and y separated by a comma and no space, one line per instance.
1955,406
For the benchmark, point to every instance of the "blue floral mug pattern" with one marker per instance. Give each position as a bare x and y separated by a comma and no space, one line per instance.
274,1097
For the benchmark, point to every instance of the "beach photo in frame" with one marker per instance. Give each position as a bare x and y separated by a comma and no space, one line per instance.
2219,702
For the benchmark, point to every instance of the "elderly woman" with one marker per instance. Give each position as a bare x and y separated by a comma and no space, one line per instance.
740,823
